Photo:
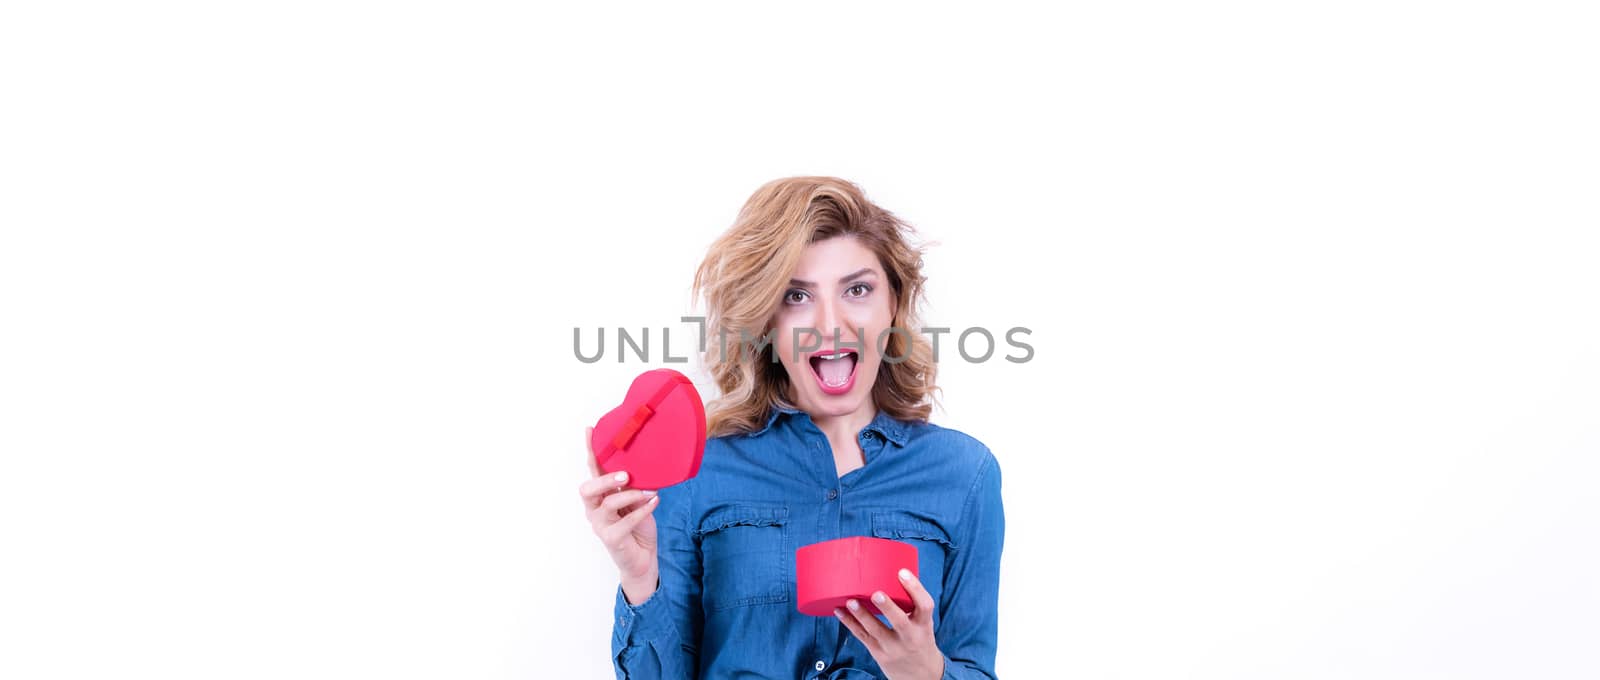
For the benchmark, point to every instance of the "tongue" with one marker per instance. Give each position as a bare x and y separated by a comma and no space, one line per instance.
835,371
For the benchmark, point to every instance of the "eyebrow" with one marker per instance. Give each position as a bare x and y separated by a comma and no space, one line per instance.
842,280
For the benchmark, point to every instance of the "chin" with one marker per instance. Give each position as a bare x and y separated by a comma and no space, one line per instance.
837,405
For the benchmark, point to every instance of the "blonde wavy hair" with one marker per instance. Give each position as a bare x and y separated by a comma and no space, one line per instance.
746,271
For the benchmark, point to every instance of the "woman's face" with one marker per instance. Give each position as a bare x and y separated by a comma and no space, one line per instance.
840,286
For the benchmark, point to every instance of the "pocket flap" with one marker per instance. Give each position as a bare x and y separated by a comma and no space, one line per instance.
905,525
748,515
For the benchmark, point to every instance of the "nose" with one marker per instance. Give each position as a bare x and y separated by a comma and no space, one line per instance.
828,320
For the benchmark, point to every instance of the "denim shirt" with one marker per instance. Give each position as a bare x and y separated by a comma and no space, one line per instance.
726,607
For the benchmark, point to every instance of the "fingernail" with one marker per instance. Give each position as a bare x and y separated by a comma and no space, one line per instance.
878,598
648,492
621,477
905,574
853,605
838,613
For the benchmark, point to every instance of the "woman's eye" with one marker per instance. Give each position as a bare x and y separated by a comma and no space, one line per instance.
794,297
858,290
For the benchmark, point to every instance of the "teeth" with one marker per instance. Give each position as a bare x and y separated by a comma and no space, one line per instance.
835,355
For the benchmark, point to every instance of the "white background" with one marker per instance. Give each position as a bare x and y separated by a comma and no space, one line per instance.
287,293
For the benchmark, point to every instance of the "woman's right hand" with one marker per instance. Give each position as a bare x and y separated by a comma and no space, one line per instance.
622,518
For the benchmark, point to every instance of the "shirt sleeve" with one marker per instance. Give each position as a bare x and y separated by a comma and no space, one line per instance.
658,639
967,633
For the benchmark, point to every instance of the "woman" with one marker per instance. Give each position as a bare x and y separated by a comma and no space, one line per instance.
821,432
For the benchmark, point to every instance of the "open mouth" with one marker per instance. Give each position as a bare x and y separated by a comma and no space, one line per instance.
835,371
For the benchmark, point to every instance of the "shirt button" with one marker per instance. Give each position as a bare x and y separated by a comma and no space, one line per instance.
622,621
832,494
819,665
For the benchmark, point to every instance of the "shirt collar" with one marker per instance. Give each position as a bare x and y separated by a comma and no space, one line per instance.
891,428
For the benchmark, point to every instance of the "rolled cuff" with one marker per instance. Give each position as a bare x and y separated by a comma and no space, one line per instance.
957,671
636,625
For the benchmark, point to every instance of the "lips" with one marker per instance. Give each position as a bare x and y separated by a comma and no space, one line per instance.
835,370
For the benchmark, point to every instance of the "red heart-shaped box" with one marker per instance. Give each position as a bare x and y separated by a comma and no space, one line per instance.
829,573
658,433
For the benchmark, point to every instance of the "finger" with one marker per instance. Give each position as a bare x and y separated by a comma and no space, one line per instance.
616,504
588,445
593,489
898,620
869,623
919,595
613,534
855,629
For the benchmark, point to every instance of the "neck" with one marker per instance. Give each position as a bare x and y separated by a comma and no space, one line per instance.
844,428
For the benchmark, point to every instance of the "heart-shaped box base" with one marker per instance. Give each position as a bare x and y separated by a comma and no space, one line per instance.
829,573
657,435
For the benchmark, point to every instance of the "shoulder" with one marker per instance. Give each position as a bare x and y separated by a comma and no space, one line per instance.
968,466
727,460
732,438
951,444
961,459
732,444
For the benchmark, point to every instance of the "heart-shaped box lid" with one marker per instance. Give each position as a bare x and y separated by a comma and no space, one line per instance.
657,434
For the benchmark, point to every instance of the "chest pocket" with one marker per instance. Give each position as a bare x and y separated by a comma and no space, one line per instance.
745,556
934,548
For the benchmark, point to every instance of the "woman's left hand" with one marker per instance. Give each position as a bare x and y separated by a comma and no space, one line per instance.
907,651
